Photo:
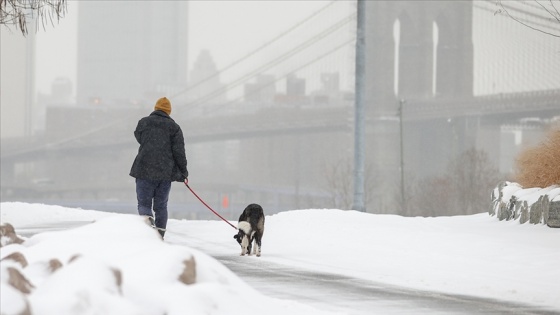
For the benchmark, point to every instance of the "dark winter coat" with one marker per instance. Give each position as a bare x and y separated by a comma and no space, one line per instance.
161,155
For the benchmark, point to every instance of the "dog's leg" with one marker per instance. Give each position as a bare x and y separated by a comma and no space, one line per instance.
257,250
250,246
259,233
253,247
258,240
244,244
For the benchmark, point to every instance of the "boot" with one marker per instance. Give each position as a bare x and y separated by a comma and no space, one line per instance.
150,221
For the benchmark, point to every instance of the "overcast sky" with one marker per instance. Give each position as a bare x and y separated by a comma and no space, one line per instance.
229,29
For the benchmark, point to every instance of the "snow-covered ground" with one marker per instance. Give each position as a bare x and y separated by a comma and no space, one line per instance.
474,255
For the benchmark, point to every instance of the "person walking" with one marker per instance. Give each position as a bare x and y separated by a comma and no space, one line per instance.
161,160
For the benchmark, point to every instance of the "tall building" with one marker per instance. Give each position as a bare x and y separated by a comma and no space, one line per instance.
17,99
131,51
262,91
205,85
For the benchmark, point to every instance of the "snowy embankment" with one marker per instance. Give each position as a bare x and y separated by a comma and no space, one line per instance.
474,255
116,265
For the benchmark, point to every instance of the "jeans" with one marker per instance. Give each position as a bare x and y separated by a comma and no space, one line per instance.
157,191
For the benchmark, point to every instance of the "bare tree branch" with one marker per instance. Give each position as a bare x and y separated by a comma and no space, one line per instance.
463,189
18,12
547,10
556,17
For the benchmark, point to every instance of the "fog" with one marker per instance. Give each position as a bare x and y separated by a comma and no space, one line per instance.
264,94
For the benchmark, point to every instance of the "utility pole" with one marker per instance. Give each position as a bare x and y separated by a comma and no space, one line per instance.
403,199
359,119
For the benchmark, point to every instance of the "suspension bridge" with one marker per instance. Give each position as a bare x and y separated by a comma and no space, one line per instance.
448,61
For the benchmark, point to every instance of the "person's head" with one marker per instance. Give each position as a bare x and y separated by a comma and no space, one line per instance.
164,105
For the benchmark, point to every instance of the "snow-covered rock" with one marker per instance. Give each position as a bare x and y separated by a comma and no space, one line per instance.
510,201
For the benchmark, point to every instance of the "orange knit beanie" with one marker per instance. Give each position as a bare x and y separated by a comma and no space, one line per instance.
164,105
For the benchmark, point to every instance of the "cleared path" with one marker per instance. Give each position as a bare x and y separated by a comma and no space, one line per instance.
333,292
355,296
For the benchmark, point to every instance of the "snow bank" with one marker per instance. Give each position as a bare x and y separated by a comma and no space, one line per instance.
119,265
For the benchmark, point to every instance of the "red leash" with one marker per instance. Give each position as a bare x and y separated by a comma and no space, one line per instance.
207,206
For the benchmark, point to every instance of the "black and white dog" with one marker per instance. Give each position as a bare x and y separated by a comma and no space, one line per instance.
251,227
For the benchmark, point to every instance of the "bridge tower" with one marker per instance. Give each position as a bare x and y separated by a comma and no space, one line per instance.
416,50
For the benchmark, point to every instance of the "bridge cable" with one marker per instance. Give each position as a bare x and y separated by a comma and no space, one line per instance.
250,54
274,62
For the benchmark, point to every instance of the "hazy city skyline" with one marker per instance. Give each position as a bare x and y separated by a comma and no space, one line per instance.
231,29
57,45
284,142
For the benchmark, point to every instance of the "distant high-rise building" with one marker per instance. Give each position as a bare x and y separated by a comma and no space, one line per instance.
295,86
17,102
204,84
61,90
263,90
330,82
295,92
329,93
131,50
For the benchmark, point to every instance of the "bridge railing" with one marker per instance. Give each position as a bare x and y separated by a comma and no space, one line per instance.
524,102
